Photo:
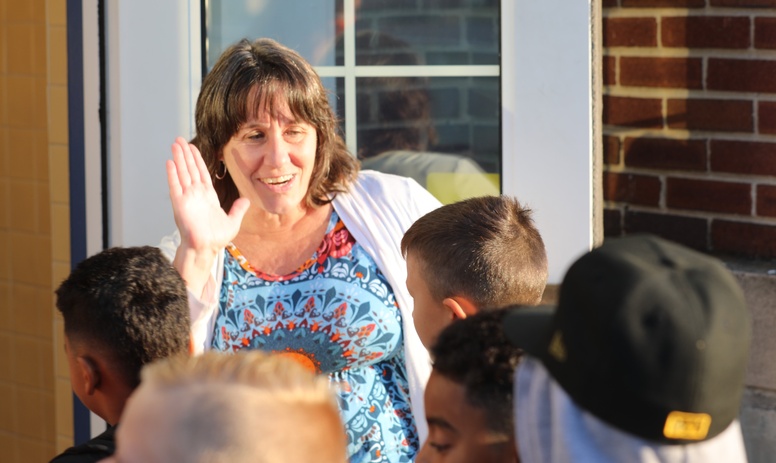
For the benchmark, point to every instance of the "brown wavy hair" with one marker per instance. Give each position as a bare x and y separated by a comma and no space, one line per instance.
253,76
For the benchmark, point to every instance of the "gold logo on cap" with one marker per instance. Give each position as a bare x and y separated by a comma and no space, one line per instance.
688,426
557,348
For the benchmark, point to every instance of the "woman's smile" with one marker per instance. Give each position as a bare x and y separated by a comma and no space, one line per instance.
277,180
279,184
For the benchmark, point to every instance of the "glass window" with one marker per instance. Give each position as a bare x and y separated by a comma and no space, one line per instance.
415,82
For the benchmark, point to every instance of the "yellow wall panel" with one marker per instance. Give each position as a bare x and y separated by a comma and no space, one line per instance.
23,206
57,130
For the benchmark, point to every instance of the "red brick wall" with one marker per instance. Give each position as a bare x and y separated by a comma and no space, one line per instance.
690,122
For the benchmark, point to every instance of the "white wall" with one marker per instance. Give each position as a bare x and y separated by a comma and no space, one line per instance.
154,73
547,92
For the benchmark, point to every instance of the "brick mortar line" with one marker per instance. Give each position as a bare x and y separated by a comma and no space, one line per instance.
655,93
662,200
753,198
725,177
619,12
684,134
687,213
750,53
752,30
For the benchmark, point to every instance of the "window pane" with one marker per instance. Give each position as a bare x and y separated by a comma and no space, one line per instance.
307,26
442,131
450,32
336,88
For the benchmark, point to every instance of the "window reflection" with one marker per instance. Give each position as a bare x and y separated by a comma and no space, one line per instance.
308,26
398,118
443,32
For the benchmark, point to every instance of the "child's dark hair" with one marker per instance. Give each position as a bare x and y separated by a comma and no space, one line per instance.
485,248
130,303
474,353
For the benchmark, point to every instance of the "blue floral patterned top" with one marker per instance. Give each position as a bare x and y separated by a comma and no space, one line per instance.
336,314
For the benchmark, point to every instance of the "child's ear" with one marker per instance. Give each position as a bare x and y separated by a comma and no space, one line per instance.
460,306
89,374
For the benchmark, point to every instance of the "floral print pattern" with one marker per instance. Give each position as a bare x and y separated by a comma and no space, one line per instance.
336,315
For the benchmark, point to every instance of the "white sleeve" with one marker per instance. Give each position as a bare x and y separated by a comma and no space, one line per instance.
202,309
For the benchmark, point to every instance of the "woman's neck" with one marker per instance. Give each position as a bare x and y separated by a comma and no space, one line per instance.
282,243
261,223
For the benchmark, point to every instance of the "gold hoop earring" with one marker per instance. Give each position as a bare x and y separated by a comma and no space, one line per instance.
221,177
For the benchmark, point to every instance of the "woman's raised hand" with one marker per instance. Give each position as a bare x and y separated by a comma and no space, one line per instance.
204,227
198,214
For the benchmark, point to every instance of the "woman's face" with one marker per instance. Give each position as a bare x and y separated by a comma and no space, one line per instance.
271,160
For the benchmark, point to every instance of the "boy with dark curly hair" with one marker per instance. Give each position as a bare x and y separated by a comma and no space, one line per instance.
469,394
123,308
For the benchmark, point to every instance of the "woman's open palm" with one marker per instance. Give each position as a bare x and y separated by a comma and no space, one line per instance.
202,223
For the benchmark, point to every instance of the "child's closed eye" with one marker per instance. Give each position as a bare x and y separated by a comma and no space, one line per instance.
441,448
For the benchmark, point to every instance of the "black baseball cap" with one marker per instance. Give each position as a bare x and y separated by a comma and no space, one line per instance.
647,335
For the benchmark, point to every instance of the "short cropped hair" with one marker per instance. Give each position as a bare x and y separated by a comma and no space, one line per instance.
474,353
283,405
485,248
129,302
250,77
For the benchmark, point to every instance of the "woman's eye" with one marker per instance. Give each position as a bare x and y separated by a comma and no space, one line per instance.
294,133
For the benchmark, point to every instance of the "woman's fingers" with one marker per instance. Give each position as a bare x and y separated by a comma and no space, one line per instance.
191,163
172,179
178,157
238,210
204,175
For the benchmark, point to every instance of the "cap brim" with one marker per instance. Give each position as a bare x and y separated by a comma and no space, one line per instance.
528,327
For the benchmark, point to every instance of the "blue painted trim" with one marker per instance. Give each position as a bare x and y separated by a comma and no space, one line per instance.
75,114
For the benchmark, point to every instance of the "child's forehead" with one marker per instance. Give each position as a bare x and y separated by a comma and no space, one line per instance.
449,409
448,395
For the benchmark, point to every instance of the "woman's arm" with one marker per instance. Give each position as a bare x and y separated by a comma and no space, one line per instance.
205,229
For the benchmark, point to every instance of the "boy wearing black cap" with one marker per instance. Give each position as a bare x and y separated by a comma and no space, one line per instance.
642,360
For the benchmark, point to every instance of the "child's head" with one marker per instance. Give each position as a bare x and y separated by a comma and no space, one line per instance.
122,309
468,397
478,254
248,407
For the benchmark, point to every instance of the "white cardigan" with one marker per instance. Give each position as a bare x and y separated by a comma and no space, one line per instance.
377,211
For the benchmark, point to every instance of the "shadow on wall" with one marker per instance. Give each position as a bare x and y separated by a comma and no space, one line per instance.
697,169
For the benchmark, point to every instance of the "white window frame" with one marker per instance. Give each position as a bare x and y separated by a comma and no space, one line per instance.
548,114
350,72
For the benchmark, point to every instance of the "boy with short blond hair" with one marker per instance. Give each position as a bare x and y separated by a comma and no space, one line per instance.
249,407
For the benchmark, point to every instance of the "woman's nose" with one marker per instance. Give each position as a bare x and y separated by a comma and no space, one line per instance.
277,151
